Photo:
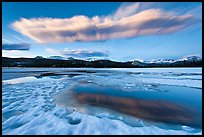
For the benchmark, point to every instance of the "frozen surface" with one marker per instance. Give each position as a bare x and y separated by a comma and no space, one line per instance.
28,103
190,77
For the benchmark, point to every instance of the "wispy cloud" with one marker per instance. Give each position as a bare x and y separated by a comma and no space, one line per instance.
130,20
197,11
18,39
10,38
80,53
19,46
5,40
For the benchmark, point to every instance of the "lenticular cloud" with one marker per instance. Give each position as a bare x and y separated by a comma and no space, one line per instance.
128,21
78,53
15,46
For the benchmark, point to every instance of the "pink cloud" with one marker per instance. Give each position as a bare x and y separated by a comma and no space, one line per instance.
127,21
79,53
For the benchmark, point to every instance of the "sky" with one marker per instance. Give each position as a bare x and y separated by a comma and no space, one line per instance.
102,30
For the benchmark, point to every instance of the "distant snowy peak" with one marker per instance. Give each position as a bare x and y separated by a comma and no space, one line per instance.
160,61
61,58
168,61
39,57
138,60
91,59
57,57
70,58
190,58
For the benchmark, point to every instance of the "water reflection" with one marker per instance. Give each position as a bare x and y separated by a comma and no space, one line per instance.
151,110
145,108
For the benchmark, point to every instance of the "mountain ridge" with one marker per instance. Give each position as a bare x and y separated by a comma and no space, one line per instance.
57,61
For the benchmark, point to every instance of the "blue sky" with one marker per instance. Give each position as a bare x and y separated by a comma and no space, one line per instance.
106,30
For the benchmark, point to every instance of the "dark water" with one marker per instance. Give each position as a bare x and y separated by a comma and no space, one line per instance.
170,104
